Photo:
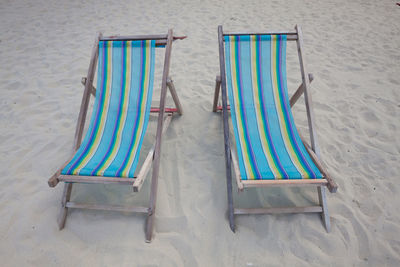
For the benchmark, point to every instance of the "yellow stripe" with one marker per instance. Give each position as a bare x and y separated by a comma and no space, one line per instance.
124,111
239,122
279,104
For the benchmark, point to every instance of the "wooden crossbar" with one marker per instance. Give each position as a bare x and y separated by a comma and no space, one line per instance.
74,205
278,210
142,174
284,182
297,94
166,110
94,179
290,36
140,37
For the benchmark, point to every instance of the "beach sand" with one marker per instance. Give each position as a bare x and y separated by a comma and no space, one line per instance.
351,47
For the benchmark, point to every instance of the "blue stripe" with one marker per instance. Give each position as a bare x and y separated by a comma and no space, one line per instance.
268,110
115,110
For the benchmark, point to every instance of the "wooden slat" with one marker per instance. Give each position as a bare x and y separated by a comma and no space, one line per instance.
74,205
262,33
157,149
279,210
307,93
134,37
142,174
53,181
95,179
332,186
297,94
324,205
216,92
284,182
166,110
86,95
62,217
226,128
163,43
93,89
235,164
140,37
174,95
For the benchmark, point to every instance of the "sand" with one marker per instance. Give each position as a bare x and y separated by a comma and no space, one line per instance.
351,47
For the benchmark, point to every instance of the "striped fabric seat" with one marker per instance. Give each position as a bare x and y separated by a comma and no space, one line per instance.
268,144
121,111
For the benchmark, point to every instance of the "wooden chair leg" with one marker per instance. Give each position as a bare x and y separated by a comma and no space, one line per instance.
152,210
171,88
230,204
64,210
324,205
216,93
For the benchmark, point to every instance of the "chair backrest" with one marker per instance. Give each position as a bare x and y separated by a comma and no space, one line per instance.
121,110
268,144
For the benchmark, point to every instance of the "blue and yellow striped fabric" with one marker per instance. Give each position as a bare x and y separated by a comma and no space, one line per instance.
268,144
121,111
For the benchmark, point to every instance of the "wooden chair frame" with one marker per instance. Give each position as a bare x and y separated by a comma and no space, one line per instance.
153,156
313,150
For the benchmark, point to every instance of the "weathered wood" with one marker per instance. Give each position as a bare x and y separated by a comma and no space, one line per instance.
95,179
307,93
297,94
332,186
235,164
166,110
284,182
157,149
225,114
53,181
74,205
174,95
142,174
92,89
324,204
163,43
64,210
279,210
86,94
290,35
141,37
216,92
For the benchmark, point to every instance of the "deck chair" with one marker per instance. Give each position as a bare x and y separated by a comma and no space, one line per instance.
270,151
110,150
